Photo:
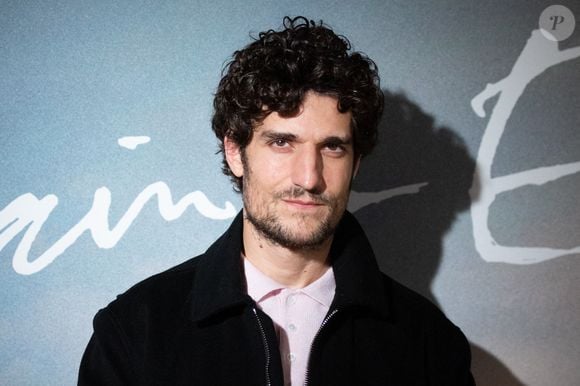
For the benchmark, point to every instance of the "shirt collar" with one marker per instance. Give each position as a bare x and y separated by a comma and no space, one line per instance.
260,286
322,289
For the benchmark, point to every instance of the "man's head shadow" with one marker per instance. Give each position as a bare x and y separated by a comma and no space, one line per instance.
406,196
407,226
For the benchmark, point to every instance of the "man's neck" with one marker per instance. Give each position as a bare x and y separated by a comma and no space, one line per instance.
293,268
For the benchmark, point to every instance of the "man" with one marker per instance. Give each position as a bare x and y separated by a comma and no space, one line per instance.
291,293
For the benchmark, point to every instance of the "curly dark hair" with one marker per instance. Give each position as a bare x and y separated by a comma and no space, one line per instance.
274,73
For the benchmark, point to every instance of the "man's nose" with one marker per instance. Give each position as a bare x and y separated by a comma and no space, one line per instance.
307,170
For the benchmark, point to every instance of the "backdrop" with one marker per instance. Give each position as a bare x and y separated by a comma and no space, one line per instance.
109,170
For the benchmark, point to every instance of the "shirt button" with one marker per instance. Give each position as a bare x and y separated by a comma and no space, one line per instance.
292,327
291,299
291,357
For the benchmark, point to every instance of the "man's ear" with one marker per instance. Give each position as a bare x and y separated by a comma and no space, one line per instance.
233,156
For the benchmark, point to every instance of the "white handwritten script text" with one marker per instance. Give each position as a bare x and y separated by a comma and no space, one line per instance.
538,55
30,213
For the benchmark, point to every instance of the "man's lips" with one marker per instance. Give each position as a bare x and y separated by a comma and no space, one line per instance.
303,203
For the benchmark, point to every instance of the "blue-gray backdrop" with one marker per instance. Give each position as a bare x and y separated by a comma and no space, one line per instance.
109,170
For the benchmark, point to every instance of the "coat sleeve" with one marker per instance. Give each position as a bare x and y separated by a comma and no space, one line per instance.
106,360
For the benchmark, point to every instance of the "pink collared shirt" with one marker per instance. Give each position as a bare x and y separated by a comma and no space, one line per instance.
297,315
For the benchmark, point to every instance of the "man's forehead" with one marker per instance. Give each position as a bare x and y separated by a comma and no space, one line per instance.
318,116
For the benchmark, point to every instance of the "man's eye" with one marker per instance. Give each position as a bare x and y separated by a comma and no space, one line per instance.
335,148
279,143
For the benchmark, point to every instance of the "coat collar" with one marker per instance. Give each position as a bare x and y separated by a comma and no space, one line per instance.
219,285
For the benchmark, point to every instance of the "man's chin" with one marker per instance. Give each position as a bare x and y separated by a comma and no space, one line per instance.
295,234
303,242
305,234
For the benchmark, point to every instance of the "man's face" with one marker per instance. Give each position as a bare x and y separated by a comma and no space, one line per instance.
297,174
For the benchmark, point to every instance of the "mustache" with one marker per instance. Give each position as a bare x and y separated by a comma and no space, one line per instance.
297,192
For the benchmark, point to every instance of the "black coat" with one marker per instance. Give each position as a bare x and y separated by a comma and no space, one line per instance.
195,325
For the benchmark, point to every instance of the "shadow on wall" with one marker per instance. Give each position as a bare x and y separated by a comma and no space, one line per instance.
407,230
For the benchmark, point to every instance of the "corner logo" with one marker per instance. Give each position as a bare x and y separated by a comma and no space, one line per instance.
557,23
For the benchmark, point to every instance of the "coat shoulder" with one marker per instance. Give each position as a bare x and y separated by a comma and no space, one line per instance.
166,292
415,311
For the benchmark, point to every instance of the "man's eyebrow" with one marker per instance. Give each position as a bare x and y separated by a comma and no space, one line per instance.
274,135
336,140
290,137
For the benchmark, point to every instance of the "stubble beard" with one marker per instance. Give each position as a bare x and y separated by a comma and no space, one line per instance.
270,226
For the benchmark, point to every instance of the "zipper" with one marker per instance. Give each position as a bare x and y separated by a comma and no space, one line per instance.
266,347
324,322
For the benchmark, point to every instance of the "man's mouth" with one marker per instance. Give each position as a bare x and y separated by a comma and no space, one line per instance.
303,204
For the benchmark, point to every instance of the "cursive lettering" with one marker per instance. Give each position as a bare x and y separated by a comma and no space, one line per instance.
538,55
28,213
